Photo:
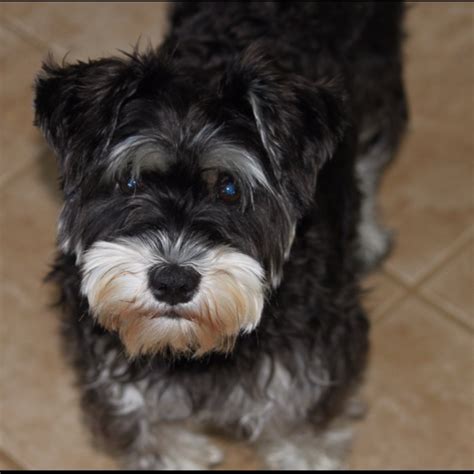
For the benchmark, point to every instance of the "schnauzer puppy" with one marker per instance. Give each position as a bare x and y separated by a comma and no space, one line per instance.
219,210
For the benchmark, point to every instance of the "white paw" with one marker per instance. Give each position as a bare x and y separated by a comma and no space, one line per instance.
188,451
297,460
143,462
198,449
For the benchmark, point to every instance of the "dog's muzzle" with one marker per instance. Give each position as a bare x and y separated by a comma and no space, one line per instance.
179,295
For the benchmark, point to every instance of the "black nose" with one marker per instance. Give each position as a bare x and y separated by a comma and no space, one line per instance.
173,284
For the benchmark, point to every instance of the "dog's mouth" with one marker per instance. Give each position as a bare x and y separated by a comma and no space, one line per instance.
173,315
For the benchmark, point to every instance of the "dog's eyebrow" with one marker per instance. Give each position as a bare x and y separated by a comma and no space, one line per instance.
141,152
236,160
138,153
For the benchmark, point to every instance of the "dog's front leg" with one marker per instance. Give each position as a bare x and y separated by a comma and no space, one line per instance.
116,413
130,430
306,448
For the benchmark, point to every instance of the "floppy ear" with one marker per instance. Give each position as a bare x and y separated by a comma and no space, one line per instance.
299,122
77,107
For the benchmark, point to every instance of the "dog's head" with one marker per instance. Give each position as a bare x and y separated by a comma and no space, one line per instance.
182,194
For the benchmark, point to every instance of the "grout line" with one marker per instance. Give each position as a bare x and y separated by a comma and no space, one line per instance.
453,318
21,31
446,315
9,447
391,306
376,316
14,463
447,305
413,290
443,258
17,28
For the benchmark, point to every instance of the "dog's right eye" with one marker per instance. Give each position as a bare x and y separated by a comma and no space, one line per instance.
130,185
227,189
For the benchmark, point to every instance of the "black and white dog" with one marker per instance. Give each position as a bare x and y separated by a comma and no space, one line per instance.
219,210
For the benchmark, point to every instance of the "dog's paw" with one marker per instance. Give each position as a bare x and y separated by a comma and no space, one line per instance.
182,450
152,462
290,457
307,449
198,450
143,462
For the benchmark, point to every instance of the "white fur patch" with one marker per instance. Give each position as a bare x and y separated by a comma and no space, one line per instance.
263,129
238,161
138,153
229,299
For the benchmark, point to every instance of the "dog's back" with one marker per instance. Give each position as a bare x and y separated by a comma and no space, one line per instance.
309,29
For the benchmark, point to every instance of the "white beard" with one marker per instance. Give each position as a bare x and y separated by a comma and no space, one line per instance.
229,299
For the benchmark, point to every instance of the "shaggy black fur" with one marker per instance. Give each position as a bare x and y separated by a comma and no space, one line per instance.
327,76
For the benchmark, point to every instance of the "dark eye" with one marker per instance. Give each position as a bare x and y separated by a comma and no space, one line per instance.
227,189
130,185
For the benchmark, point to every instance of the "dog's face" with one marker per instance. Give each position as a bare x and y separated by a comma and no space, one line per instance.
181,194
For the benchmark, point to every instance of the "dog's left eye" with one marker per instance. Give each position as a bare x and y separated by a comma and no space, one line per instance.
227,189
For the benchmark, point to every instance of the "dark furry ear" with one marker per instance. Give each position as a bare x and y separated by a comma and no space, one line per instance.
77,107
294,117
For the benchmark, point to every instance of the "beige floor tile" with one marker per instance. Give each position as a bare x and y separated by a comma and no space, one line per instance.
7,463
380,293
90,29
27,227
19,140
452,287
420,392
439,70
427,194
28,214
427,198
41,424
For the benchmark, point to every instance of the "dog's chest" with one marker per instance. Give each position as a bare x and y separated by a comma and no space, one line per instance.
274,397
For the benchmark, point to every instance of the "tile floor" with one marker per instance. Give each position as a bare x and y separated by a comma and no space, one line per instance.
421,379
